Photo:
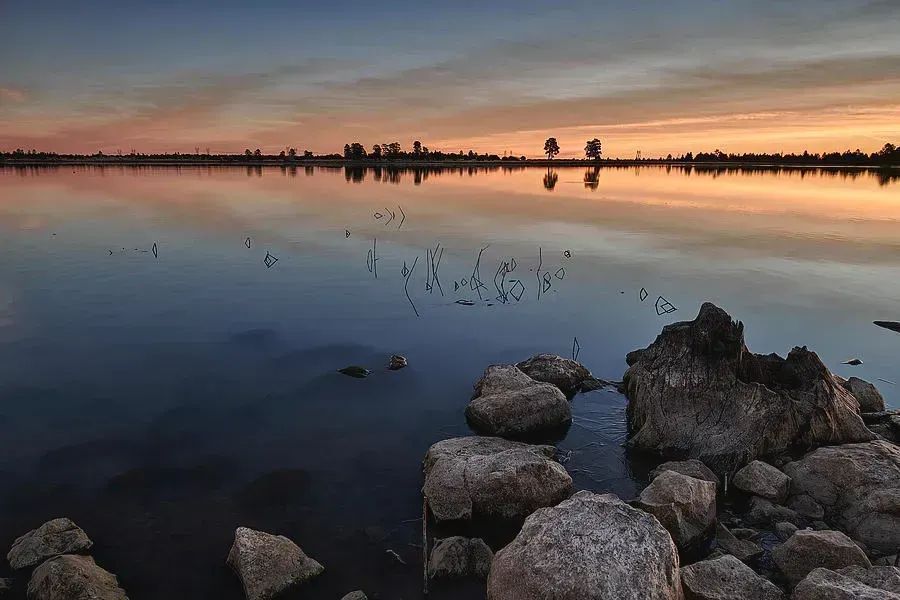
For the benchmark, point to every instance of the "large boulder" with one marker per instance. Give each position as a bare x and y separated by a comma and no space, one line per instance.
859,487
885,423
509,403
866,394
882,577
59,536
726,578
763,513
73,577
269,565
685,506
825,584
564,373
698,392
459,556
493,477
590,547
762,479
728,543
807,550
691,468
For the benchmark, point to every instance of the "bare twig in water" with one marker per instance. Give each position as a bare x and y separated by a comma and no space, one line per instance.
395,555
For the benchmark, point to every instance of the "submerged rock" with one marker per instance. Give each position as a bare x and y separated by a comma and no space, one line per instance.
866,394
493,477
509,403
565,373
397,362
726,578
357,595
685,506
859,487
459,556
269,565
59,536
692,468
590,547
355,371
73,577
826,584
763,480
698,391
807,550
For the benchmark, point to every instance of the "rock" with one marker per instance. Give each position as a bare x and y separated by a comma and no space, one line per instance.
741,549
691,468
685,506
59,536
764,513
892,325
565,373
866,394
805,506
492,477
807,550
509,403
357,595
763,480
892,560
458,556
784,530
355,371
397,362
590,547
744,533
825,584
73,577
859,487
268,564
698,391
726,578
885,423
882,578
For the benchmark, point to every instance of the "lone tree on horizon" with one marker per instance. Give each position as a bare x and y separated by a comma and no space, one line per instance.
593,149
551,148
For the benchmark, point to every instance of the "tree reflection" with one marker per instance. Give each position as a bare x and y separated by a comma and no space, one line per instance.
592,178
550,179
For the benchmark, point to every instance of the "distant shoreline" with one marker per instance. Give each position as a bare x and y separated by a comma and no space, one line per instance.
130,161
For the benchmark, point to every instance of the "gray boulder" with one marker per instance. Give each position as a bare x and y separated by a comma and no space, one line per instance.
509,403
784,530
565,373
881,577
491,477
698,391
805,506
866,394
459,556
807,550
762,479
59,536
73,577
859,487
764,513
726,578
825,584
742,549
269,565
885,423
685,506
692,468
357,595
590,547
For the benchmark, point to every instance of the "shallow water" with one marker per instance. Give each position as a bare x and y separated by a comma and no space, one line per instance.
162,400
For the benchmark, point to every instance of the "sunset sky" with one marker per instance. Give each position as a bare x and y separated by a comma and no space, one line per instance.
659,76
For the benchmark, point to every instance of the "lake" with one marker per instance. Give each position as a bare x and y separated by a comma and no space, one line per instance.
162,381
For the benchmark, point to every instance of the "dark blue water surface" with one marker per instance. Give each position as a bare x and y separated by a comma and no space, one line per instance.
162,400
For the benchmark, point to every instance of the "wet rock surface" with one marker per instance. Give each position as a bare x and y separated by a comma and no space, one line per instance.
73,577
565,373
698,391
808,550
492,477
685,506
459,556
726,578
55,537
590,547
691,468
742,549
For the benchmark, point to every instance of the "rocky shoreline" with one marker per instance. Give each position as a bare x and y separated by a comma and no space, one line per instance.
776,479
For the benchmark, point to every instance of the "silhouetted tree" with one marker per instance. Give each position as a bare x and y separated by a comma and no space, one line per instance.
247,152
257,153
281,154
417,147
292,152
376,151
357,151
593,149
551,147
347,151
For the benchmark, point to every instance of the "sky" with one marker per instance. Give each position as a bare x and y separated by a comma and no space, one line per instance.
652,76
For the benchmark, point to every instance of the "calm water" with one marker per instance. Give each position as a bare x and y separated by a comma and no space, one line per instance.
160,401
